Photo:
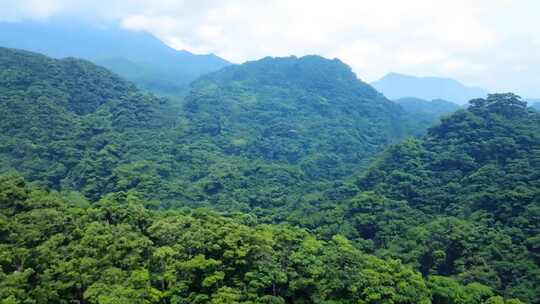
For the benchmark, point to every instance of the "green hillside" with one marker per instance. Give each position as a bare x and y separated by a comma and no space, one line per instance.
279,152
69,124
260,134
463,201
309,112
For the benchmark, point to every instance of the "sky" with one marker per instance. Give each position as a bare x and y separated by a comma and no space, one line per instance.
494,44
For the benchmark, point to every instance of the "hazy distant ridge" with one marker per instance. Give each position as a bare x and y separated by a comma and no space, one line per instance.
136,56
395,86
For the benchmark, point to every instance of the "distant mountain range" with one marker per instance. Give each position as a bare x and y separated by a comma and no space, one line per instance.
395,86
534,103
136,56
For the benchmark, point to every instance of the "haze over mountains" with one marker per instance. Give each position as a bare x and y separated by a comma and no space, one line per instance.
535,103
136,56
422,114
395,86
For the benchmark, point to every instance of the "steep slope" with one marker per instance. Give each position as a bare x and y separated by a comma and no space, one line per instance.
422,114
68,123
395,86
137,56
254,136
464,201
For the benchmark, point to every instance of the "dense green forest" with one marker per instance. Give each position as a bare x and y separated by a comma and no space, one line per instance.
463,201
283,180
72,125
261,134
61,249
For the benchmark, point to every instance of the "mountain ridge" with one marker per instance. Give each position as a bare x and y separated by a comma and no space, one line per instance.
268,142
152,64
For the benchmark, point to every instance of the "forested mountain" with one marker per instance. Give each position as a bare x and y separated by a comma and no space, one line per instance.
136,56
395,86
70,124
423,114
260,134
463,201
309,111
272,144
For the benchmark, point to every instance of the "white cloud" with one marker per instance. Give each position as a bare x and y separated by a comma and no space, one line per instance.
477,41
158,25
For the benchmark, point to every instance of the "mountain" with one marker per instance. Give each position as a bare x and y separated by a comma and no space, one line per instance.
106,209
261,135
423,114
69,123
136,56
395,86
255,135
308,111
471,189
534,103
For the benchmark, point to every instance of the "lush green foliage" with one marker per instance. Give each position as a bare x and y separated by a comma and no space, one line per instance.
307,111
56,249
256,135
463,202
276,139
70,124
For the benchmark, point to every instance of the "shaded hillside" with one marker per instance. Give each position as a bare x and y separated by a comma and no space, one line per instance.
136,56
422,114
436,107
463,201
395,86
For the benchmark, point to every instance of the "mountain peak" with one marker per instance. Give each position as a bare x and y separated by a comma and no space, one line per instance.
310,72
135,55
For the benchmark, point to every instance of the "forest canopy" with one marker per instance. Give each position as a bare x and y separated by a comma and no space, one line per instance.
283,180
